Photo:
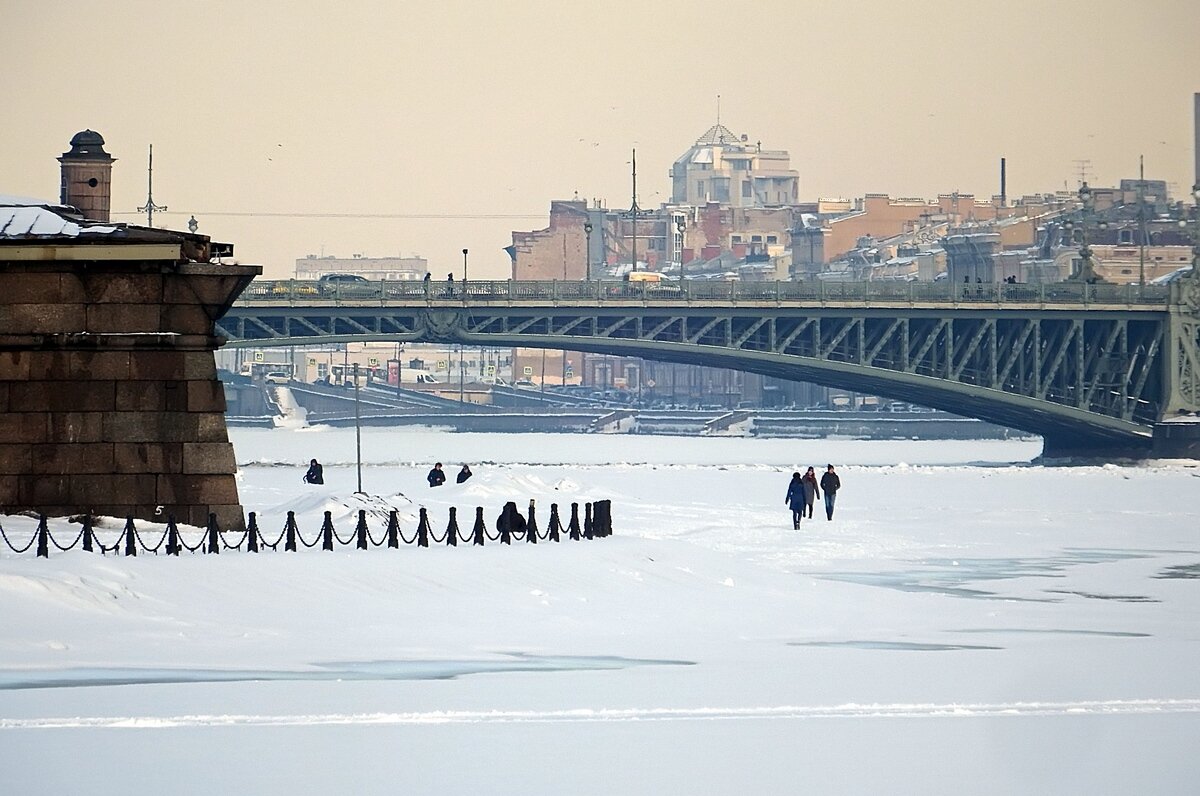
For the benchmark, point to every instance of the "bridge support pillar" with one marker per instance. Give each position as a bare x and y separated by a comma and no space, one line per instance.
109,398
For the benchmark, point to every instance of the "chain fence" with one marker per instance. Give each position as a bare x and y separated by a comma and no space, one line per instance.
510,525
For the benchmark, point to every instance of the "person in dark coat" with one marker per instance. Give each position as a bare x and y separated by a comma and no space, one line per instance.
510,519
425,283
811,491
464,474
830,483
450,284
436,477
315,474
795,499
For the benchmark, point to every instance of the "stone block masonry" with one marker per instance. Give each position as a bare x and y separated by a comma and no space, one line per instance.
109,399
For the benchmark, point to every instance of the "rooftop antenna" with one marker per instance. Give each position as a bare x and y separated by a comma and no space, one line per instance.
718,110
150,207
1083,167
1141,199
633,209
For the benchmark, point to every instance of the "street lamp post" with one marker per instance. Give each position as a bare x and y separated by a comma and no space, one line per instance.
464,269
587,250
357,433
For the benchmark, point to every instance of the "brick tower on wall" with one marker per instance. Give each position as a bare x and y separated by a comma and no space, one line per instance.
87,176
109,398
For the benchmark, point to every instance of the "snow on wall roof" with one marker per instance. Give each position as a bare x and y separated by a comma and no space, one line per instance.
22,217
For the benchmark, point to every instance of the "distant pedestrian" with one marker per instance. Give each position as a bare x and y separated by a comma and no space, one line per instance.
830,483
315,474
464,474
450,285
436,477
425,282
795,499
811,490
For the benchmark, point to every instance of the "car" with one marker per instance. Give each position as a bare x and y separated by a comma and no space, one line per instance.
343,279
525,383
277,377
426,378
347,285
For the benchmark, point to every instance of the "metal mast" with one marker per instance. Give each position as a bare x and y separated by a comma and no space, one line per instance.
150,207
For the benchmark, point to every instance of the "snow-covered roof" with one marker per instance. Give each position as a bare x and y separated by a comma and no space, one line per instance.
22,217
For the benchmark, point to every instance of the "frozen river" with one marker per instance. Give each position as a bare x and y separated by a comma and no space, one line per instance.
966,623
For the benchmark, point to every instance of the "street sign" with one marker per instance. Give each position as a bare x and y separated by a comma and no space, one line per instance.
258,356
527,370
490,370
442,365
373,361
312,361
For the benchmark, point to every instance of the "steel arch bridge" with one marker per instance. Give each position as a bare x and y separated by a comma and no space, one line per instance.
1089,367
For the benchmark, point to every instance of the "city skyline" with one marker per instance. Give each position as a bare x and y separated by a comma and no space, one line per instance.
419,130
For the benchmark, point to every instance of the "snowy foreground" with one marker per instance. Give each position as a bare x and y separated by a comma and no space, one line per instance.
966,624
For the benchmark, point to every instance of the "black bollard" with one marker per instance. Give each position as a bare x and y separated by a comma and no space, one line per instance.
589,531
361,530
214,535
503,525
602,520
289,530
452,528
555,523
573,527
531,529
327,532
252,534
43,538
88,536
423,529
479,532
173,535
130,537
393,529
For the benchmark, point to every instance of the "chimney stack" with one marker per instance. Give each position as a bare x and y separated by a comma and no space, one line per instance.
1003,185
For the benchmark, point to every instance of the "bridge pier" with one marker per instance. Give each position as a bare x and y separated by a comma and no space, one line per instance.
109,399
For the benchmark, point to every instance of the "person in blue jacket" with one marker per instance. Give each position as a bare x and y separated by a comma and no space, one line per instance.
795,499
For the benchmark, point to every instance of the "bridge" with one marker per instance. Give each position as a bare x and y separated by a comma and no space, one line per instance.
1091,368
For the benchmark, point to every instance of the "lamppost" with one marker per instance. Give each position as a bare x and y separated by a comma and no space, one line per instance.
587,250
357,433
464,269
680,227
193,224
1087,200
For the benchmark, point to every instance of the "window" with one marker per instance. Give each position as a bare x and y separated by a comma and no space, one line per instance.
1125,236
756,238
700,187
737,238
746,190
772,239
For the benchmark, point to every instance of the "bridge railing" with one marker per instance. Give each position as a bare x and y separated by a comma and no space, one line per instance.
817,291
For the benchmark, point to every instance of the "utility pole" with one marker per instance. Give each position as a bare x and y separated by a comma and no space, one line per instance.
357,432
633,212
150,207
1141,196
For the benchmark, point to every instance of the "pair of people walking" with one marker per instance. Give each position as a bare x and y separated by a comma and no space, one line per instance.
805,490
436,477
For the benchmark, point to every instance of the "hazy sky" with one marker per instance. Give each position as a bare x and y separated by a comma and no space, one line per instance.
466,110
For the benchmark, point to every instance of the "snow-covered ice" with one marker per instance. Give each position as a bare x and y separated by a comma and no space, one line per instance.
967,623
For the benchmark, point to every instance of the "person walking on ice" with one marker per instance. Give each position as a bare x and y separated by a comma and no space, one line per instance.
811,491
795,499
436,477
830,483
464,474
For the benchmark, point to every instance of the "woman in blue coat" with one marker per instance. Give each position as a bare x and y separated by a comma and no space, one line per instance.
795,499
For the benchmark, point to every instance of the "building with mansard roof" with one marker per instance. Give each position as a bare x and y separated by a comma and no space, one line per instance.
726,168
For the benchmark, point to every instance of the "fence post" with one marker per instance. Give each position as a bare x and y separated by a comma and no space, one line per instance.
289,530
327,532
452,528
555,524
423,529
531,529
361,530
252,534
130,537
173,535
214,535
393,529
479,532
43,538
589,531
88,536
504,524
573,527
